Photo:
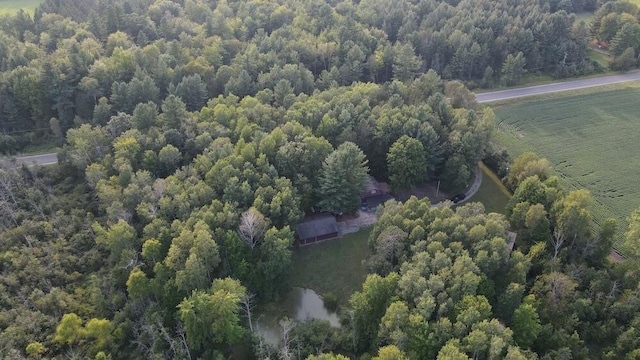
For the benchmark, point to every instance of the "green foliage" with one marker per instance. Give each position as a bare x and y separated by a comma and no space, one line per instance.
406,64
69,330
562,130
526,165
369,306
35,349
513,69
625,61
330,301
329,356
343,177
407,163
632,236
117,238
137,284
212,317
193,256
193,92
390,352
526,323
135,229
100,331
332,266
451,351
617,23
314,334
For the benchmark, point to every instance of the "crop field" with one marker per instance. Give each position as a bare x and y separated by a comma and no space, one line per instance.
591,140
12,6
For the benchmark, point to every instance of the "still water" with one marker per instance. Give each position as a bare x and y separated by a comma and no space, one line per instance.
300,304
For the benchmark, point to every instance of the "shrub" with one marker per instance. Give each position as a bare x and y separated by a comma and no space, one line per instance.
330,301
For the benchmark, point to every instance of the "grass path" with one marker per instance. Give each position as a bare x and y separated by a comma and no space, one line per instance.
492,193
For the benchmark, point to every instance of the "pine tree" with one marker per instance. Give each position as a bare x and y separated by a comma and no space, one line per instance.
343,177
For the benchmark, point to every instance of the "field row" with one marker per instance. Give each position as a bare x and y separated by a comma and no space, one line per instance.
12,6
591,140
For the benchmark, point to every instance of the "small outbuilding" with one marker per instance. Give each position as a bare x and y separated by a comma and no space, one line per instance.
318,228
371,203
375,193
372,187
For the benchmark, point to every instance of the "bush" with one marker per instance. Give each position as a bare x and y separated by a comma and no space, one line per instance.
330,301
497,159
625,61
8,145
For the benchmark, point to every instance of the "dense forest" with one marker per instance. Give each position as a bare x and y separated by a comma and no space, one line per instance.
196,134
76,63
616,26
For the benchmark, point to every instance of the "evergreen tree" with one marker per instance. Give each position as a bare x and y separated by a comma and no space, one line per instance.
343,177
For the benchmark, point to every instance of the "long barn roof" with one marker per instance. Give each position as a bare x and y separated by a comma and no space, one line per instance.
317,227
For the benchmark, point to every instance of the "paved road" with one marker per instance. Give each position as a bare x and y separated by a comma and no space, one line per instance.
475,186
42,159
556,87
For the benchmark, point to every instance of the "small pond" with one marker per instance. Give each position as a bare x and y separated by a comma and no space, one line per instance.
300,304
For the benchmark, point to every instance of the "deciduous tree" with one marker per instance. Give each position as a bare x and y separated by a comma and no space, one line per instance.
407,163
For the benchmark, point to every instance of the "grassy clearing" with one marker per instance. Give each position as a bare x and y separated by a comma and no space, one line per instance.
492,193
600,58
44,148
585,16
12,6
332,266
590,139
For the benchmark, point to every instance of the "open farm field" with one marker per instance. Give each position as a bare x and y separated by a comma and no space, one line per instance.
12,6
590,139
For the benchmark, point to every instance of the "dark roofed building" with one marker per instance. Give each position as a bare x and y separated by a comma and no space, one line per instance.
316,229
372,187
375,193
371,203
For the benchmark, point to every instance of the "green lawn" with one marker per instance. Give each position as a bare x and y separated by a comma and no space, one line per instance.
590,138
585,16
12,6
42,148
492,194
332,266
600,58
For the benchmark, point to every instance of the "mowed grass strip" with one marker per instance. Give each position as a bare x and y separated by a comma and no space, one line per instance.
492,194
591,140
12,6
332,266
